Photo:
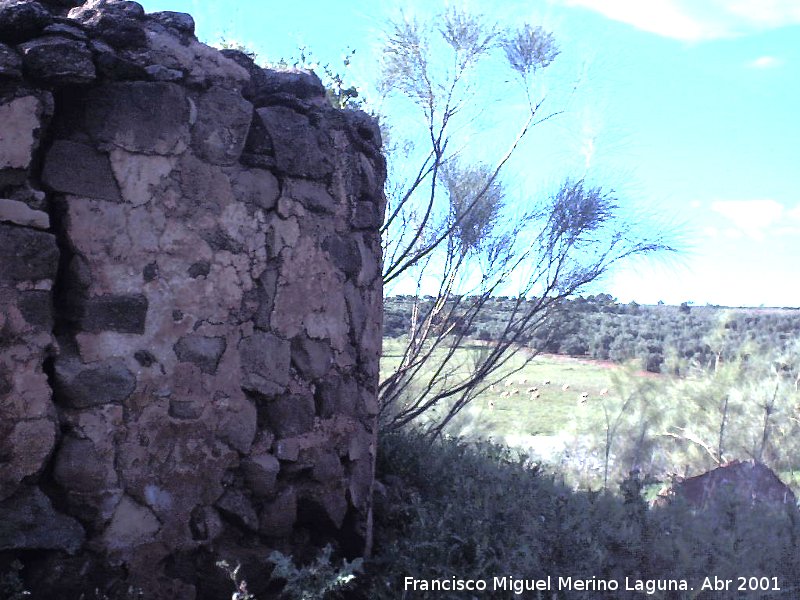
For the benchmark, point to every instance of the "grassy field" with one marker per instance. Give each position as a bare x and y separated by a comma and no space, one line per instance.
547,404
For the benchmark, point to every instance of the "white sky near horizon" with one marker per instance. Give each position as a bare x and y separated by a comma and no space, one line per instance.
688,109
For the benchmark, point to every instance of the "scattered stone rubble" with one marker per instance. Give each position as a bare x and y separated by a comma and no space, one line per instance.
191,303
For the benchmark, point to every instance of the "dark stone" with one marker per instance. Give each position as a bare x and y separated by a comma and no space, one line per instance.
182,22
205,352
63,3
236,506
290,415
82,386
185,409
27,254
258,142
79,467
312,358
344,253
218,239
177,315
150,272
139,116
58,60
126,314
256,187
327,467
313,195
264,363
162,73
300,84
337,395
118,24
78,169
277,518
199,269
22,20
6,380
258,78
115,66
364,216
260,473
10,62
356,311
145,358
36,307
301,149
28,521
223,121
66,30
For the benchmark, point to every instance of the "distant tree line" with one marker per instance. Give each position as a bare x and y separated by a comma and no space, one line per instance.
662,338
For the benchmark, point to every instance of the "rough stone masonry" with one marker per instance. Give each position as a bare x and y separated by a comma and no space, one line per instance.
191,304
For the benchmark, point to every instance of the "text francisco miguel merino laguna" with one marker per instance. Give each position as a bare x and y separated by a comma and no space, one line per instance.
519,586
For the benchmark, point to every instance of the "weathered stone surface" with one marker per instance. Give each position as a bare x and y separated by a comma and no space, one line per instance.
10,62
21,20
74,168
203,66
278,517
256,187
29,522
178,21
201,350
344,253
223,120
131,525
80,467
126,314
265,363
235,505
290,415
19,213
27,254
25,449
138,175
312,358
21,119
260,473
56,60
147,117
82,386
296,83
301,150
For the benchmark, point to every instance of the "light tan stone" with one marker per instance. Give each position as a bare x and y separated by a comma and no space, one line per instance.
14,211
20,119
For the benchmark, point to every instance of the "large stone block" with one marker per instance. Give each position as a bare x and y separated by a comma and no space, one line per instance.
82,386
139,116
301,150
27,254
57,60
22,19
28,521
201,350
223,120
21,119
265,363
74,168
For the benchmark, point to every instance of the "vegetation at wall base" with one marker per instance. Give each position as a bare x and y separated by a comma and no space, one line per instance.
479,511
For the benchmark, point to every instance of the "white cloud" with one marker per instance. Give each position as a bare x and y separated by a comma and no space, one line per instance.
757,218
765,62
692,21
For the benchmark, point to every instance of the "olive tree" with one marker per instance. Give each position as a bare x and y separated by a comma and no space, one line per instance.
452,227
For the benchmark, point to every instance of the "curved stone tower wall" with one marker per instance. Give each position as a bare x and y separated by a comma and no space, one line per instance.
191,303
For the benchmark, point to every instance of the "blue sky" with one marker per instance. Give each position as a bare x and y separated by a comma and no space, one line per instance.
688,109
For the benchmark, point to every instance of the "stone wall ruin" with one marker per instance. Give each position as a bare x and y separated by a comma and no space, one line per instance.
191,304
